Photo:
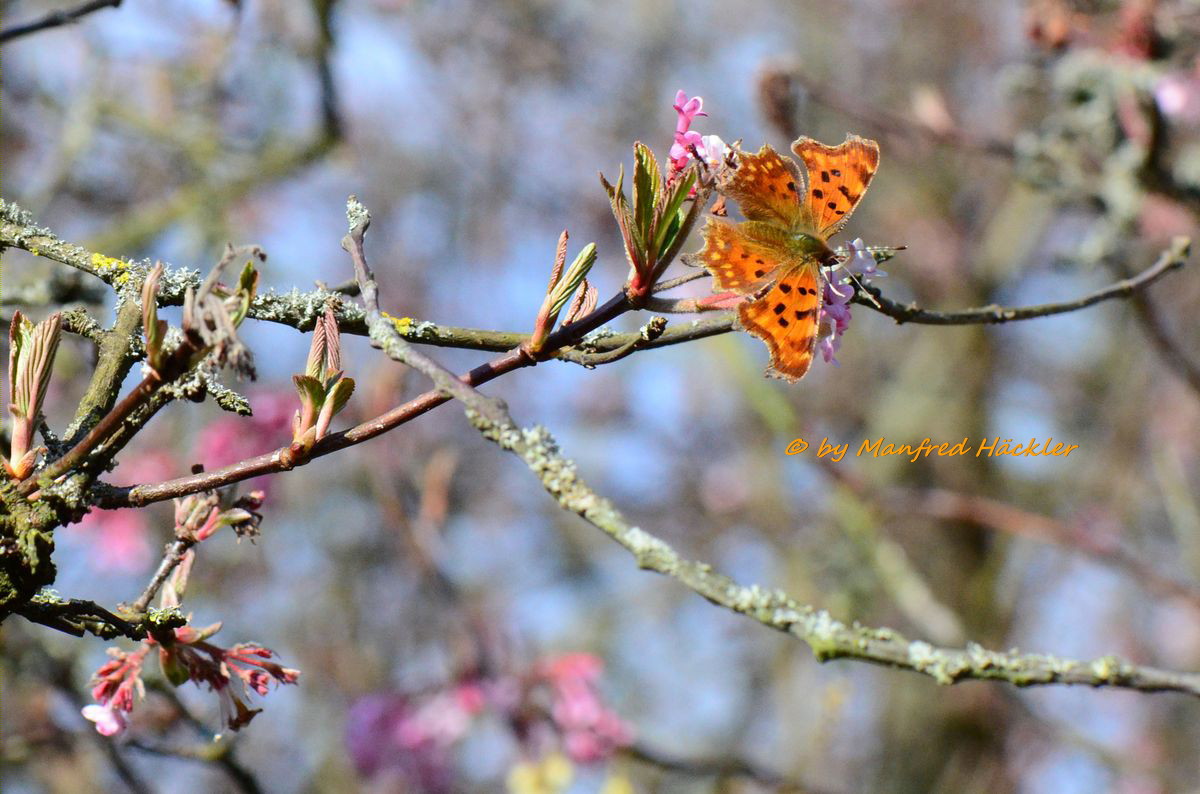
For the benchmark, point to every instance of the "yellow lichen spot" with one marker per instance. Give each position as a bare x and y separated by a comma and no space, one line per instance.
117,269
107,264
403,325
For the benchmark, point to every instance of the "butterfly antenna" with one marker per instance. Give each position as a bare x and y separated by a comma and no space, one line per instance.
861,288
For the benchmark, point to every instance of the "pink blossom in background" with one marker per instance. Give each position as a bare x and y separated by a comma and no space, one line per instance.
414,735
119,540
1177,95
230,438
143,466
122,541
384,734
590,731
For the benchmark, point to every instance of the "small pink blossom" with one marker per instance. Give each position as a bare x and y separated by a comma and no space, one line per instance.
860,260
189,656
688,109
687,139
109,721
713,150
114,686
835,318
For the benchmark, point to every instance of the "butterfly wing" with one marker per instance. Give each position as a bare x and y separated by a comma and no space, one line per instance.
787,318
767,187
838,176
739,260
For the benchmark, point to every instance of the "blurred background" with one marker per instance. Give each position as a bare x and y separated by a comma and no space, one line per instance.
1032,151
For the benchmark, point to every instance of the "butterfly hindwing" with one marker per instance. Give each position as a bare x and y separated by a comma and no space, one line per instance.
738,262
767,187
838,176
787,319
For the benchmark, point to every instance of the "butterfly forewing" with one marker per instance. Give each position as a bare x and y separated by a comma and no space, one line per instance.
787,318
767,187
738,262
838,176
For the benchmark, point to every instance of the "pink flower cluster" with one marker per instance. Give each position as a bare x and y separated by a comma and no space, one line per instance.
247,663
590,731
114,686
688,143
556,703
188,657
835,299
413,737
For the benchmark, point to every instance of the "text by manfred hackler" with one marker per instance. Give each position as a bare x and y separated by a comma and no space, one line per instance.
988,447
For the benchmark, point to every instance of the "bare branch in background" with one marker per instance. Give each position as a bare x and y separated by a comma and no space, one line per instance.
56,19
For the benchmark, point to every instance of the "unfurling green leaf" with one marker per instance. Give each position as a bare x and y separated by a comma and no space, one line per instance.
571,280
672,217
155,330
335,400
339,395
30,362
625,221
241,300
325,351
584,303
560,260
647,183
312,397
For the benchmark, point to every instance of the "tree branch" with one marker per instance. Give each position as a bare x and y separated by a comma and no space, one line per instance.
299,310
75,616
55,19
1174,257
829,638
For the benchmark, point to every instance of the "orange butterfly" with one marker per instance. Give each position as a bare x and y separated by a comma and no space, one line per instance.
775,256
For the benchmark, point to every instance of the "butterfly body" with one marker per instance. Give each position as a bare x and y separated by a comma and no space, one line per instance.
775,256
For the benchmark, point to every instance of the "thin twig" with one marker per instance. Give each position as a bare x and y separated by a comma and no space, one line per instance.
173,556
648,333
720,768
679,281
56,19
176,364
1156,329
384,335
1174,257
